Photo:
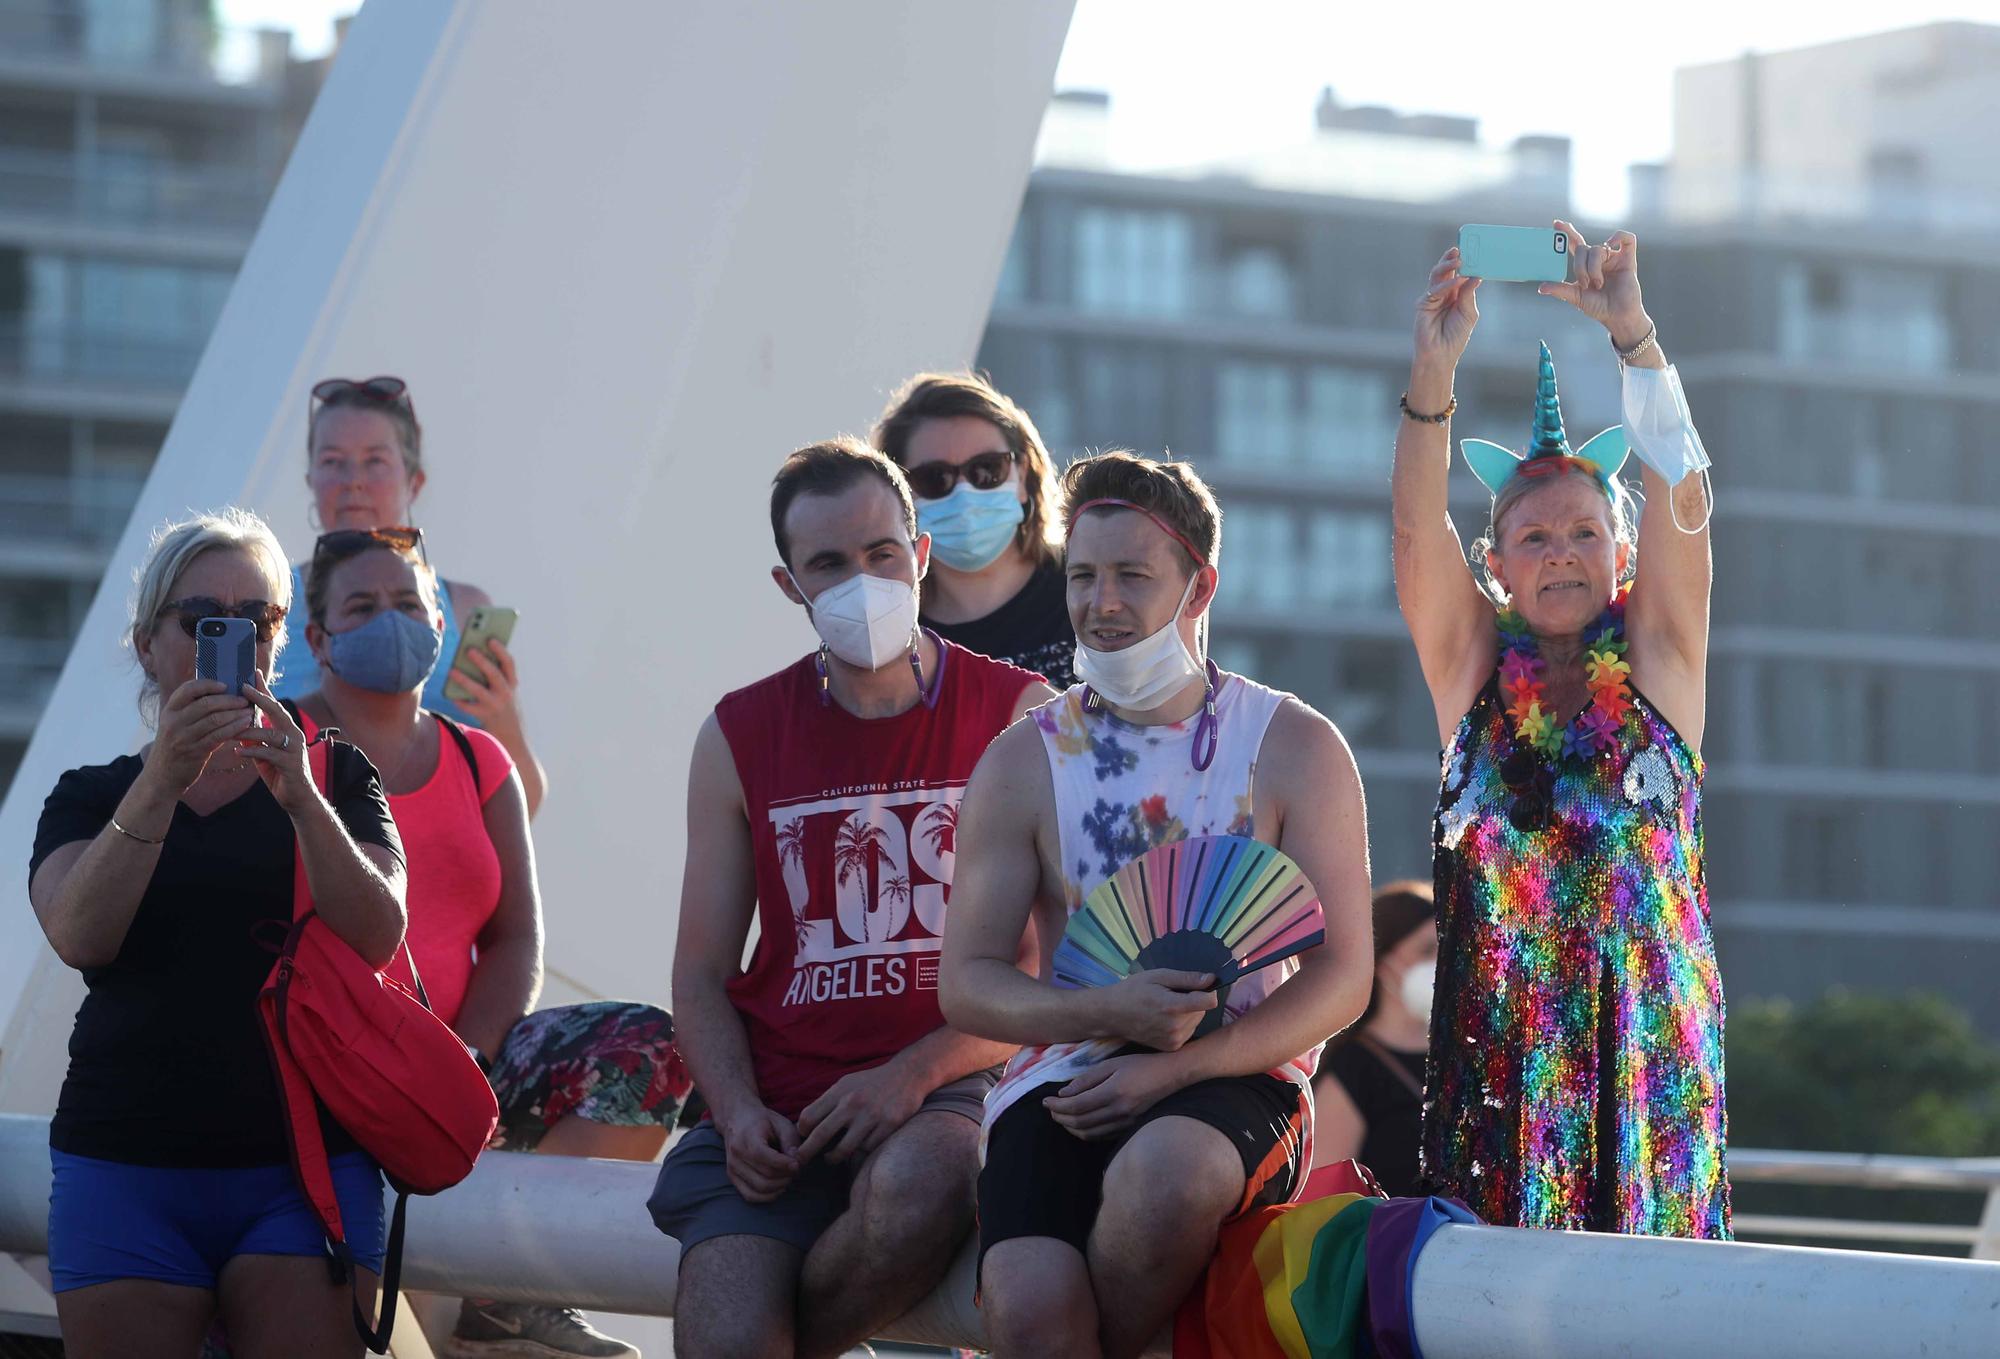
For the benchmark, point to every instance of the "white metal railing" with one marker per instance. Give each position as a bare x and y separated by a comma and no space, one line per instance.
72,187
1856,1171
548,1228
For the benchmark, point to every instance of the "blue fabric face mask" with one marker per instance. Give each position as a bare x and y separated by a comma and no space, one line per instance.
392,653
970,528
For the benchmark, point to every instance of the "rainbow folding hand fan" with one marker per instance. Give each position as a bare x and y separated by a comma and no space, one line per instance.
1215,903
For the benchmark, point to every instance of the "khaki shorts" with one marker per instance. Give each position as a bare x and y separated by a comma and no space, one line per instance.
693,1200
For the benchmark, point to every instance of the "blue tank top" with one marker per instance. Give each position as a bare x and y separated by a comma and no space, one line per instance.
298,668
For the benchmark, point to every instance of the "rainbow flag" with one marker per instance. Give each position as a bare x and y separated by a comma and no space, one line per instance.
1328,1278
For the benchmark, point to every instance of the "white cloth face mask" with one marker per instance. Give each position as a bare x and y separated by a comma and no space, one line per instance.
867,621
1147,673
1419,989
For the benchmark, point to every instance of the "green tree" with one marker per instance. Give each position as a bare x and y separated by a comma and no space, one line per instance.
1862,1072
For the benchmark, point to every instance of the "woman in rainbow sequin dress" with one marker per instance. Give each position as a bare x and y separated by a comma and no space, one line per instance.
1576,1042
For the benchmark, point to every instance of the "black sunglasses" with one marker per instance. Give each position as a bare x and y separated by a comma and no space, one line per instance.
264,615
341,544
1533,784
934,480
384,390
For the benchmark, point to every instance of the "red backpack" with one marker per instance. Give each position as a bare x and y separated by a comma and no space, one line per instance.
365,1045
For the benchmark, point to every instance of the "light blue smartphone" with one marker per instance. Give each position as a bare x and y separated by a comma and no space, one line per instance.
1514,254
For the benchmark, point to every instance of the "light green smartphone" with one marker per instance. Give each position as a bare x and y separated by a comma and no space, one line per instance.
1514,254
486,623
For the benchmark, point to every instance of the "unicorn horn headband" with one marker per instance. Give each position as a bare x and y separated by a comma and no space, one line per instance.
1548,446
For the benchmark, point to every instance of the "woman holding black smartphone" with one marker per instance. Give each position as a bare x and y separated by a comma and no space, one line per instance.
166,877
365,468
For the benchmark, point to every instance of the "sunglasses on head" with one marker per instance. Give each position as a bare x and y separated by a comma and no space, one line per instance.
1533,784
341,544
384,390
934,480
189,612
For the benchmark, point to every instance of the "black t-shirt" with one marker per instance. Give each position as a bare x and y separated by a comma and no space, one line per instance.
1030,630
167,1065
1392,1103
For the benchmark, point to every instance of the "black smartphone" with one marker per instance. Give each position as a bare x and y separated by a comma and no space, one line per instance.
225,649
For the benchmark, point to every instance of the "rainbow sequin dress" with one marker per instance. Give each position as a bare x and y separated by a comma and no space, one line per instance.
1576,1038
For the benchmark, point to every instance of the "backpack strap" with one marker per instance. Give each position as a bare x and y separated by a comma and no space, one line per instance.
464,744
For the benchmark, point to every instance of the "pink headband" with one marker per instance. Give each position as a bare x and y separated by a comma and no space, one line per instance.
1109,502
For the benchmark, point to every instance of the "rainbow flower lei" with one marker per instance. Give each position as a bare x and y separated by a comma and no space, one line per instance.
1605,668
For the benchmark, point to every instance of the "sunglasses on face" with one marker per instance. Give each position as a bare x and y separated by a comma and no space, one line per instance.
384,390
341,544
1533,784
934,480
189,612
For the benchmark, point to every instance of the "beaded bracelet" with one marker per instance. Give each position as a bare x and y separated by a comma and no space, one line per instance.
1438,419
1650,339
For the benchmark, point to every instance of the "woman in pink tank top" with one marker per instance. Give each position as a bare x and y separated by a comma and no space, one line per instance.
597,1079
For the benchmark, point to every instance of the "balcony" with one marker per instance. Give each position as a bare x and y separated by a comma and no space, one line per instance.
67,189
35,353
178,43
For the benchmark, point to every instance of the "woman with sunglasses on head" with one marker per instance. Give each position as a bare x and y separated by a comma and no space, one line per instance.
987,495
1575,1074
166,877
599,1079
364,465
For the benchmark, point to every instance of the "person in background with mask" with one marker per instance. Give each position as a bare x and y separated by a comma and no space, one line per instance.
1369,1094
1115,1147
365,468
988,497
833,1181
596,1079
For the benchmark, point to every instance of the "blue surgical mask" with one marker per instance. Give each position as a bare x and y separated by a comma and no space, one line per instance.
970,528
392,653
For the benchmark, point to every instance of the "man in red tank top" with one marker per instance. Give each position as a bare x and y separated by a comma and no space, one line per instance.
834,1183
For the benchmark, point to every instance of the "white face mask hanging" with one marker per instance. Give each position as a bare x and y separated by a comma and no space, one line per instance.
1419,989
1150,671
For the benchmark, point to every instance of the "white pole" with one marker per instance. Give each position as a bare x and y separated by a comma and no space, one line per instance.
1498,1292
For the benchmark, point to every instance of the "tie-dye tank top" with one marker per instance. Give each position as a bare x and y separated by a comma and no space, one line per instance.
1122,789
1576,1043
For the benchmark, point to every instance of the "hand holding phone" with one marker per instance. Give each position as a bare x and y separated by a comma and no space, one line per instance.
487,623
1514,254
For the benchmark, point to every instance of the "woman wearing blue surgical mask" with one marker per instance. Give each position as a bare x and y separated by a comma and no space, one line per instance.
988,497
1369,1093
597,1079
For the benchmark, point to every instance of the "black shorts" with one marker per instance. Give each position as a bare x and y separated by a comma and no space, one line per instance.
1042,1180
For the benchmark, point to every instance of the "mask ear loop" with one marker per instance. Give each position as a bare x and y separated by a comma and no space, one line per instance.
1708,497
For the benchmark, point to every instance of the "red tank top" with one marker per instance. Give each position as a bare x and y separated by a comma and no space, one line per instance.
853,824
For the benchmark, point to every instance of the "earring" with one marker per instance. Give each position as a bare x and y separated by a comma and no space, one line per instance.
313,520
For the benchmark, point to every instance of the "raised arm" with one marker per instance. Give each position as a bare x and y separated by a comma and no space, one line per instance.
86,892
1667,615
997,884
1449,618
718,901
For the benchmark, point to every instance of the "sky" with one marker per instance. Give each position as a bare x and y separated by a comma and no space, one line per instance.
1193,80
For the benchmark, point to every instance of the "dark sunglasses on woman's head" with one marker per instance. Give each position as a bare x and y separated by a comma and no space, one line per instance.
934,480
189,612
1533,785
343,543
388,391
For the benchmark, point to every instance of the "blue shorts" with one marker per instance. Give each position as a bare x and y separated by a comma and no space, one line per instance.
110,1221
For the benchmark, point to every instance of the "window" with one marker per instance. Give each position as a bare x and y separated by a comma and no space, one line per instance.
1254,414
1350,420
1863,315
1133,262
1013,286
1258,282
1259,566
1346,563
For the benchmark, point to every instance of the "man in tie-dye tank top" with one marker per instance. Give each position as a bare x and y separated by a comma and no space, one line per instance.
1115,1147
